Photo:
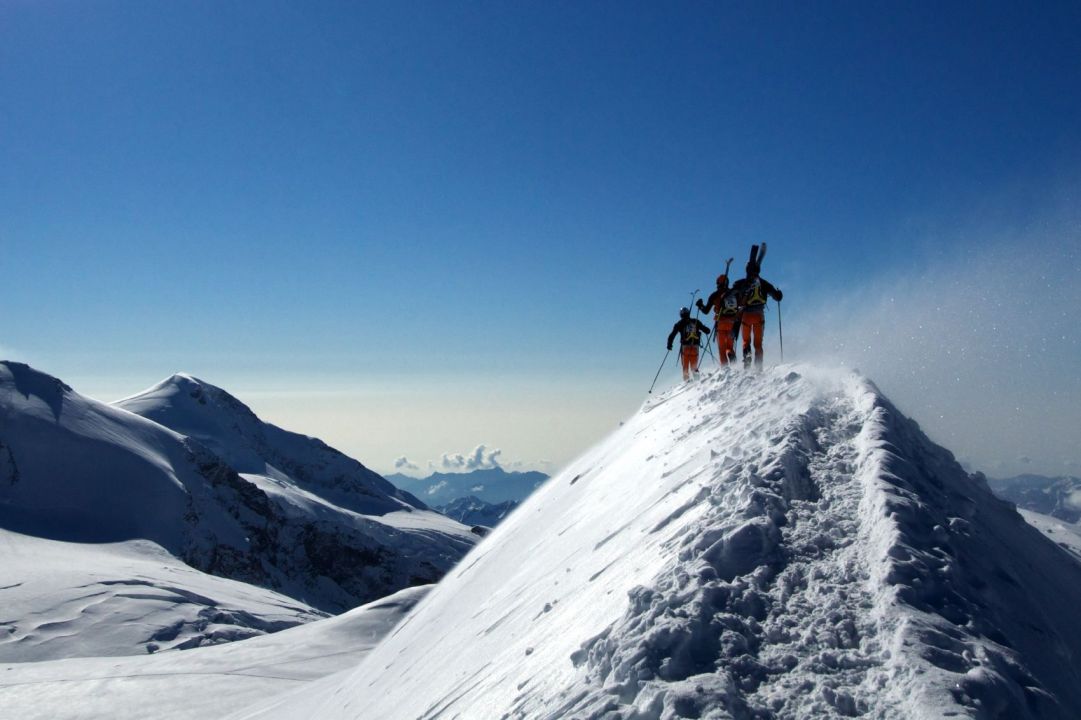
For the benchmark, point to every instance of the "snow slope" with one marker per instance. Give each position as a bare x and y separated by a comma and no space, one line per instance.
784,545
61,599
77,470
1064,534
202,683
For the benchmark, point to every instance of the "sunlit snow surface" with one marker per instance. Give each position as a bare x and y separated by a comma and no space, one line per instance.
784,545
202,683
63,600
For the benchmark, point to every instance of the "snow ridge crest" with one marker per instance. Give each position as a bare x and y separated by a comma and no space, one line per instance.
783,545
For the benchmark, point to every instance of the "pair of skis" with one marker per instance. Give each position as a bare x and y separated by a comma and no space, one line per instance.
758,254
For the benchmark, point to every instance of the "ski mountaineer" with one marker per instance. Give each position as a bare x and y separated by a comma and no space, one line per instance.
752,292
724,301
690,331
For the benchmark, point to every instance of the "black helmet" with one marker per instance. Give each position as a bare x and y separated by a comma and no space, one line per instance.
684,312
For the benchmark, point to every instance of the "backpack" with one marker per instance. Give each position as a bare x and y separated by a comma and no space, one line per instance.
755,294
691,336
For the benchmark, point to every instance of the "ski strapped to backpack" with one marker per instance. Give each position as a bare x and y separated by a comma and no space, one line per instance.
757,256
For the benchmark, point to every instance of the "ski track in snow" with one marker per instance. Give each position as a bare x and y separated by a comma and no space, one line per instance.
795,636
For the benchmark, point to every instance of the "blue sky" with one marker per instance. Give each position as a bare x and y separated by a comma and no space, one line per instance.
480,218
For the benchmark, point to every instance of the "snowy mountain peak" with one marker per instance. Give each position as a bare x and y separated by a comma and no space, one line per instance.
783,545
227,426
197,389
215,487
183,377
182,390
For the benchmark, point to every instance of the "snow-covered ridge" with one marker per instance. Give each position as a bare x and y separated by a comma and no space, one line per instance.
74,469
782,545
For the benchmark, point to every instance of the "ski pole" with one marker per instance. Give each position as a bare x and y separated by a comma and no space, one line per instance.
709,349
781,333
659,371
697,313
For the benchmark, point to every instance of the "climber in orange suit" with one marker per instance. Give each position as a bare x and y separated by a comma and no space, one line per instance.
724,302
753,291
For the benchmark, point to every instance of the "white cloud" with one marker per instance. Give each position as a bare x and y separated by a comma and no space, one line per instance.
480,458
403,463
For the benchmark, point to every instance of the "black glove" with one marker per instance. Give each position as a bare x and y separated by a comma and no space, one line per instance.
778,296
669,347
700,305
706,332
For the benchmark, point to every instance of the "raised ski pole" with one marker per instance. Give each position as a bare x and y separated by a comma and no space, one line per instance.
780,330
659,371
697,313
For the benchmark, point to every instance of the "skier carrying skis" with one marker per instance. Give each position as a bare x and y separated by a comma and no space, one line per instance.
724,301
690,331
753,291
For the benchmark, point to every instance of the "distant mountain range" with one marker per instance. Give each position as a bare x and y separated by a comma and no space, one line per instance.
492,485
474,511
1059,497
186,470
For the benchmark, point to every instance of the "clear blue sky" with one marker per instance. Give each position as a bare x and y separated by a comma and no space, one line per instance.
489,198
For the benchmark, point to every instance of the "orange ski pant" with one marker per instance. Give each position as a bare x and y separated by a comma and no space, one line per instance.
726,344
753,325
689,355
